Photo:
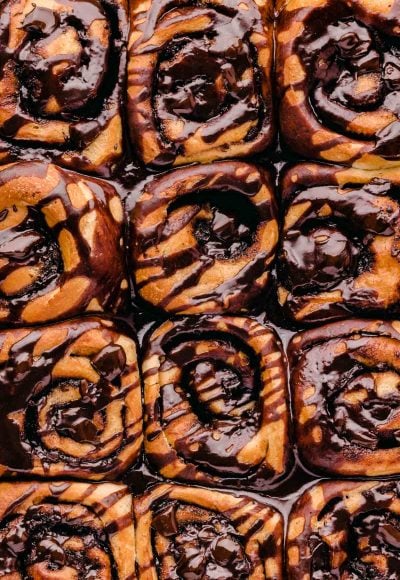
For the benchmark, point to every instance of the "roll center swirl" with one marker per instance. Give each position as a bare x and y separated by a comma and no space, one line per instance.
30,258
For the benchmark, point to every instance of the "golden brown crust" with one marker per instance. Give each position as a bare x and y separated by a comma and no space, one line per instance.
180,528
345,530
215,402
337,67
70,400
340,240
203,238
66,530
225,111
60,244
346,397
62,67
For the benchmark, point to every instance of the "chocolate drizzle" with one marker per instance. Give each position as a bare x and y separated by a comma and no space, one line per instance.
60,251
203,238
62,70
43,535
202,421
55,420
357,70
205,82
337,243
45,541
340,99
364,519
27,244
207,547
346,391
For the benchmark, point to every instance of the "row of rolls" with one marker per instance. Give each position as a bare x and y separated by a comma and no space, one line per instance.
216,400
79,79
206,239
68,530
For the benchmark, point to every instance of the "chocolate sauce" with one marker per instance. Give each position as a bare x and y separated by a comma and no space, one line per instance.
51,539
66,75
208,548
333,245
355,69
52,408
38,258
223,222
206,79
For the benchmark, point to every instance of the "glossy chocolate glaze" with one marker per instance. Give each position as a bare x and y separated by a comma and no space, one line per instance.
224,219
59,240
69,95
194,534
43,540
209,549
65,424
365,521
59,530
230,92
340,98
340,236
224,371
346,398
217,90
358,69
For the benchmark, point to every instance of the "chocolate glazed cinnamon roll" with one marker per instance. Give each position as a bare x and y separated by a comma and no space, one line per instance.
199,83
340,242
66,530
70,402
339,77
62,67
203,238
215,402
345,530
60,245
346,392
189,532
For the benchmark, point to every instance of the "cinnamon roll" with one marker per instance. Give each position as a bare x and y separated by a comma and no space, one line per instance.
203,238
66,530
340,242
345,530
199,85
189,532
70,401
60,245
339,78
215,402
62,68
346,395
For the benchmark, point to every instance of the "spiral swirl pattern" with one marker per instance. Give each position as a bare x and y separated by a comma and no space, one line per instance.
203,238
66,531
340,242
215,402
346,530
61,71
339,76
60,245
198,533
346,393
70,400
199,83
